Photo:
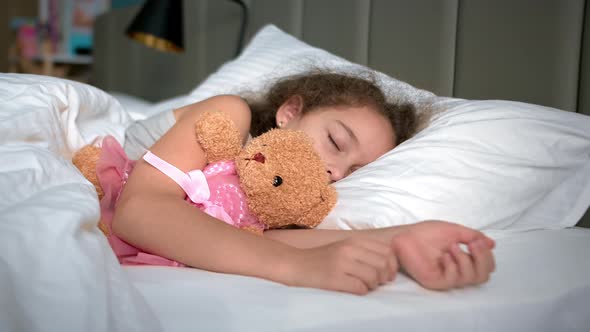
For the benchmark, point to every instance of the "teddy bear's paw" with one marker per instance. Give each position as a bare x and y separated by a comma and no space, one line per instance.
85,160
104,229
218,136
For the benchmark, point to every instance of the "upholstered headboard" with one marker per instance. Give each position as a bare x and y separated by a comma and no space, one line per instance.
536,51
527,50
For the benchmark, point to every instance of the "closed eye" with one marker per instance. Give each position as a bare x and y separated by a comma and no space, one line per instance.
333,142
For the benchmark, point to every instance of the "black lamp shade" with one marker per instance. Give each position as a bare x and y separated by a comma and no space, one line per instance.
159,25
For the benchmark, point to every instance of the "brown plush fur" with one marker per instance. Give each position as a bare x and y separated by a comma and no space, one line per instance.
304,196
218,136
85,160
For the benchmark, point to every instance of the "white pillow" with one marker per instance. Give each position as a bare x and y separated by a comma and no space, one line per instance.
135,106
139,108
273,53
485,164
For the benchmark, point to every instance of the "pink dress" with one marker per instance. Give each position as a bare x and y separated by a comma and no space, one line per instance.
215,190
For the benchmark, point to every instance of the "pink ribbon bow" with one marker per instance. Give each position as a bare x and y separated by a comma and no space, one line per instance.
194,185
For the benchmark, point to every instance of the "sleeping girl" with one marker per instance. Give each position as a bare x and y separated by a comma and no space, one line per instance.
351,124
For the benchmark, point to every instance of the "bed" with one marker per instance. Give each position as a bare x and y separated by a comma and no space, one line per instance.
515,118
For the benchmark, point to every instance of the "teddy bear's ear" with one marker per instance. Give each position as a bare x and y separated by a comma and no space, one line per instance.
218,136
314,217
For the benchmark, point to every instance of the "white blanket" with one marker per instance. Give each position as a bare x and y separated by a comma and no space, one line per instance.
57,271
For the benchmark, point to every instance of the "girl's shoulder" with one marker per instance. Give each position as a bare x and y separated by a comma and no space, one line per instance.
179,147
235,106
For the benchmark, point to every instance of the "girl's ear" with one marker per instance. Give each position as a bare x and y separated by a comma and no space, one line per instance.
290,110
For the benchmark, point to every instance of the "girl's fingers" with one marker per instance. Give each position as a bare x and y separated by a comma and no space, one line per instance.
350,284
365,273
465,266
483,261
450,271
490,243
466,234
366,263
394,267
380,256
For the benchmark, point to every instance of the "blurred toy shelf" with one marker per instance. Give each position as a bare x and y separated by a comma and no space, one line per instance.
73,67
67,59
59,41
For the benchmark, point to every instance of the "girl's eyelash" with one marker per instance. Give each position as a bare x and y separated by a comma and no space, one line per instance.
334,142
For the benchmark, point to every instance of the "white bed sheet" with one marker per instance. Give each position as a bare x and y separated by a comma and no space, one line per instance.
542,283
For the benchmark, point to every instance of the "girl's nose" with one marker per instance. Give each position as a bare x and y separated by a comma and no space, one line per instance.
335,174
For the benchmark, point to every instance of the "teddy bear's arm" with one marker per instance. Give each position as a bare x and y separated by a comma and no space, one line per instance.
218,136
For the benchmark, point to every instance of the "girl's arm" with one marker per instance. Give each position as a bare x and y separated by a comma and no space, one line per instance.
152,215
428,251
309,238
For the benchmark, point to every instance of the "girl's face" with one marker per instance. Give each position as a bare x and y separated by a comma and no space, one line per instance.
346,138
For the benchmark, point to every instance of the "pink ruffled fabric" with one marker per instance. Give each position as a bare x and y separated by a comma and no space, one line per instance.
113,169
215,190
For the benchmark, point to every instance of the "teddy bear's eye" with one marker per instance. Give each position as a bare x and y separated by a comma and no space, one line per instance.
277,181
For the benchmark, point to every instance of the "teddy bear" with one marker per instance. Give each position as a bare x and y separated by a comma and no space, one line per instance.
281,177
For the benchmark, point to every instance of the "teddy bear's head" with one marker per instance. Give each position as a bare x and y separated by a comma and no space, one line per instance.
285,180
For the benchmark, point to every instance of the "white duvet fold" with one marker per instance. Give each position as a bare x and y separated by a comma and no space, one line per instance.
57,270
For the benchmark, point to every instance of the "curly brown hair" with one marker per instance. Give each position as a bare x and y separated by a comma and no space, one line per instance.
321,89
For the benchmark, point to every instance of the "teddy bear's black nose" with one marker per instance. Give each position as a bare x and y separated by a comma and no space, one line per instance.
259,157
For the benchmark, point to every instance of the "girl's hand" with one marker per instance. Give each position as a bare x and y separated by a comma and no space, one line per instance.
429,252
353,265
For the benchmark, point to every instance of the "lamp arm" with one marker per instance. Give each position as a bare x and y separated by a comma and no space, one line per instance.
243,26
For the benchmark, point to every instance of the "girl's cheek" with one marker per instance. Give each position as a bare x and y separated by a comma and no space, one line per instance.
323,153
